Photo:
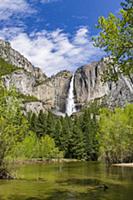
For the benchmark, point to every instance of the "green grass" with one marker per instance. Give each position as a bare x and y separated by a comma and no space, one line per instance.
27,98
6,68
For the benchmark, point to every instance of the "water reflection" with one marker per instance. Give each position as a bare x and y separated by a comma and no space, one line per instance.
69,181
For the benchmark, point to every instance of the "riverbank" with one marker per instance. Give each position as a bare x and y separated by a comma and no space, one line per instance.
45,161
123,165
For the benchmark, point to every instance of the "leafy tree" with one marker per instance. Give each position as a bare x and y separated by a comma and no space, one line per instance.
33,147
47,148
26,149
116,38
13,125
116,134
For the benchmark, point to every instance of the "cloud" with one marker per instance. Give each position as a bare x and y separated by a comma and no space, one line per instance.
48,1
56,50
83,17
10,33
10,8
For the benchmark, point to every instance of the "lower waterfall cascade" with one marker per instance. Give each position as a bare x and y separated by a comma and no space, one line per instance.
70,104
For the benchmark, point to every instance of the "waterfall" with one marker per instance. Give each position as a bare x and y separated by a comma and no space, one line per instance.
70,104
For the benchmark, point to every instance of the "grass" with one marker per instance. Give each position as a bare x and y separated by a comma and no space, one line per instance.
6,68
27,98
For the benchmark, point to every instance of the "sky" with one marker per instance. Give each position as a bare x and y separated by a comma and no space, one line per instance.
54,34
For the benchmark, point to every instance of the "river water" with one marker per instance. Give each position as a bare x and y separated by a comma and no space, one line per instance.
69,181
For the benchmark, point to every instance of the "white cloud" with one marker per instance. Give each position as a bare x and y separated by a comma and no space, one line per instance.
54,51
8,8
10,33
48,1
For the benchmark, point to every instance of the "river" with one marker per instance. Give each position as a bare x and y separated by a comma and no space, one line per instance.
69,181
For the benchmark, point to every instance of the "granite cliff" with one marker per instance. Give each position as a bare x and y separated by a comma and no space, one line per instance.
88,86
50,93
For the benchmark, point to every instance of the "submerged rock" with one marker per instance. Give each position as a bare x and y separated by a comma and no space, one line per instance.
4,174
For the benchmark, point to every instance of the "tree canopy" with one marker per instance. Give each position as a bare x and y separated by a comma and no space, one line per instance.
13,125
116,38
115,134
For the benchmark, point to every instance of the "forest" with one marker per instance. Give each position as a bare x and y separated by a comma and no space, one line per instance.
87,136
96,132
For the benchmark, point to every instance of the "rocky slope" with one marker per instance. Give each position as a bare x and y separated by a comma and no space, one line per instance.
51,93
15,58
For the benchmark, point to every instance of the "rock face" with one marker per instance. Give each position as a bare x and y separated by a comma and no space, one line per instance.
22,80
120,93
31,81
61,83
51,93
15,58
88,86
35,107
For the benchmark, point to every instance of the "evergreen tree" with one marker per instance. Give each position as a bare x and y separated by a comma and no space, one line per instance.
41,124
77,145
58,133
89,126
51,122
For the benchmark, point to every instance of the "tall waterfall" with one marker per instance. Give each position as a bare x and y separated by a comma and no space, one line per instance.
70,104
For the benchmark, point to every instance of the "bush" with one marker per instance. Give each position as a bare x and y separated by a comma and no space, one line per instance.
33,147
116,134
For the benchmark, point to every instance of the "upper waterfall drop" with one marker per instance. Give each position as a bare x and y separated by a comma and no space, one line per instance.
70,104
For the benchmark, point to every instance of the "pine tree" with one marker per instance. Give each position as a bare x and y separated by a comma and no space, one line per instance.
77,146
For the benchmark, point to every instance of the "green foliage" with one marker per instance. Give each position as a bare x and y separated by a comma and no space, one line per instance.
13,125
116,38
27,148
6,68
47,148
77,143
75,136
33,147
90,126
116,134
27,98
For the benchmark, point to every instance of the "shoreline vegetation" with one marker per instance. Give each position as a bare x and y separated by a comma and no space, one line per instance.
45,161
6,175
64,160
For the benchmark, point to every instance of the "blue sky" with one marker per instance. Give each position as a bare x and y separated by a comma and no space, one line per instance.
54,34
